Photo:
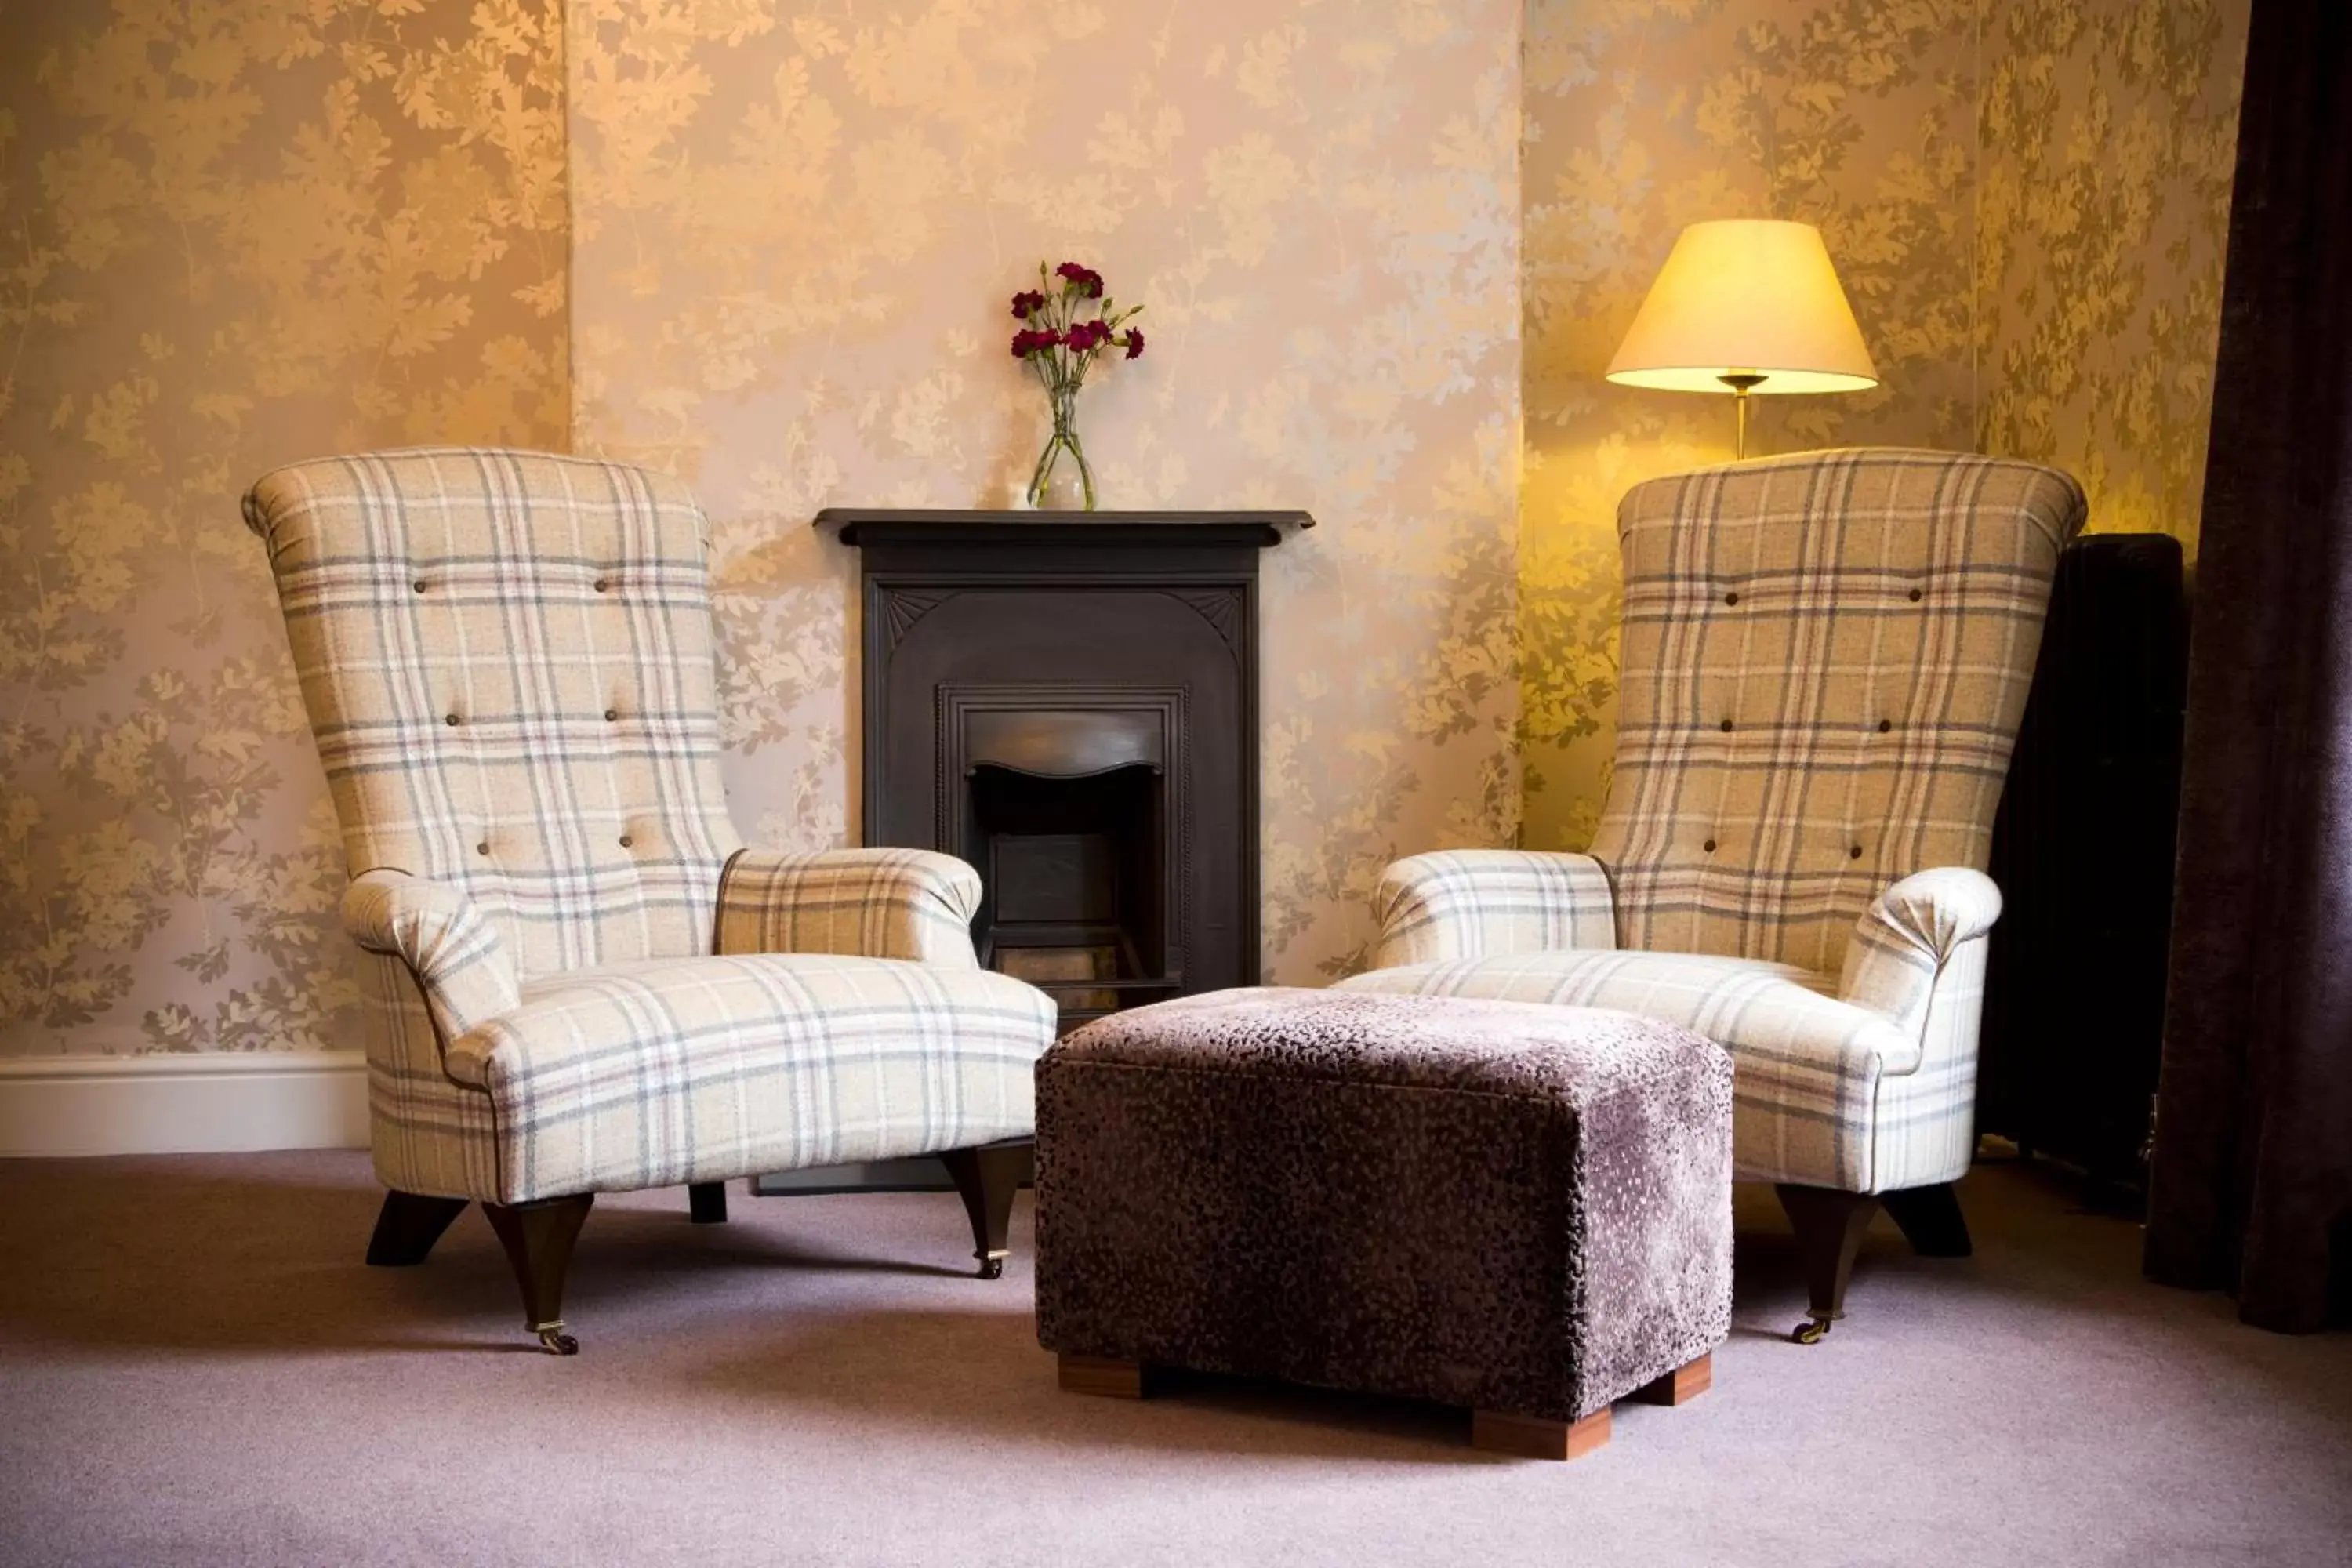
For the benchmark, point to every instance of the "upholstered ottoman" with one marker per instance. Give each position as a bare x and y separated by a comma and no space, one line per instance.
1519,1209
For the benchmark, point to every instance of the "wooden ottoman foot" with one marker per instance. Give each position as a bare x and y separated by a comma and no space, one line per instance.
1680,1386
1102,1375
1533,1437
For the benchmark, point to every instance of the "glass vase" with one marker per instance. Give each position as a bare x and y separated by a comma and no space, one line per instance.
1062,481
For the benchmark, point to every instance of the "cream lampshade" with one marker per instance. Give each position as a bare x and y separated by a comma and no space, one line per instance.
1746,305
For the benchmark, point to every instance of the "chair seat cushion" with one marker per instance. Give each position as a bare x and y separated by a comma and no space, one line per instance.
1807,1067
697,1069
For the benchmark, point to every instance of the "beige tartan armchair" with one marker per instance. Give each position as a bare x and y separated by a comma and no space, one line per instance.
1823,660
581,981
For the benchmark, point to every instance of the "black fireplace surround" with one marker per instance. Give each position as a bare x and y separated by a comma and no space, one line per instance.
1069,703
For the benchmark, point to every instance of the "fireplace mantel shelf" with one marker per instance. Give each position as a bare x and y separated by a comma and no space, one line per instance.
860,526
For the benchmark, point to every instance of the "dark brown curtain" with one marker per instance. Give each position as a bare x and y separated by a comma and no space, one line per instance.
2251,1186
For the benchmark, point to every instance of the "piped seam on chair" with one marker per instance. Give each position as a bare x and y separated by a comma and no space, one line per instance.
719,905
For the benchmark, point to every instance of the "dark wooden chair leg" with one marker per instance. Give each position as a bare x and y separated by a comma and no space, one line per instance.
987,1178
1829,1225
705,1203
538,1239
1930,1220
407,1226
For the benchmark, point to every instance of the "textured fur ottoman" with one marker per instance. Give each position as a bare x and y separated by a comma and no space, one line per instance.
1522,1209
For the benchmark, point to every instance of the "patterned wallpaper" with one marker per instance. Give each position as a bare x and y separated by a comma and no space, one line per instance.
2027,200
230,235
237,233
2110,133
798,226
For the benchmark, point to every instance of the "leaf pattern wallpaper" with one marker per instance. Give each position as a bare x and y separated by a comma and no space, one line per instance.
2111,135
2028,200
797,228
1386,247
230,235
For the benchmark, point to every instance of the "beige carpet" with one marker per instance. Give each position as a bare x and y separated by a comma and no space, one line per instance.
195,1368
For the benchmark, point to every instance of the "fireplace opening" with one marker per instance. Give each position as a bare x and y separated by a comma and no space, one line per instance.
1075,878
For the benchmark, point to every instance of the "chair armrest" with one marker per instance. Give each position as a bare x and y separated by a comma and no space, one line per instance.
1483,903
871,903
1908,933
458,956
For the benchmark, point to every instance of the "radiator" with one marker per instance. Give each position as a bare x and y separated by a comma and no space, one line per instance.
2083,849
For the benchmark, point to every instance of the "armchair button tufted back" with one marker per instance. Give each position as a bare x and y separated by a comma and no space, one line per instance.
1755,810
471,726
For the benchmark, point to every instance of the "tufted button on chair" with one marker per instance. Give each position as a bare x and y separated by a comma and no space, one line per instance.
1805,893
622,995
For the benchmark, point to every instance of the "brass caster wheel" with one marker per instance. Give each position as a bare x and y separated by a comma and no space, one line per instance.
1810,1332
991,1268
555,1342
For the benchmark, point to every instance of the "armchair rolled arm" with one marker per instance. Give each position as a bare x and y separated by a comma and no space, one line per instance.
871,903
458,956
1908,933
1481,903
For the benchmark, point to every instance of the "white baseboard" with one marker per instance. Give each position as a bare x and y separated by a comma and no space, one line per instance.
202,1102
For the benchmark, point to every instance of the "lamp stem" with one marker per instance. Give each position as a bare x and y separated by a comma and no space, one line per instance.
1739,381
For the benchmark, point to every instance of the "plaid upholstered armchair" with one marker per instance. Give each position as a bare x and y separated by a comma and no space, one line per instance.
1823,661
581,981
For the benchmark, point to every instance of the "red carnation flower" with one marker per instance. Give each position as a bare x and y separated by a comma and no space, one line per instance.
1134,343
1085,279
1028,342
1026,302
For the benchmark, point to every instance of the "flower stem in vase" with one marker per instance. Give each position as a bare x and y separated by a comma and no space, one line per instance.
1043,493
1086,469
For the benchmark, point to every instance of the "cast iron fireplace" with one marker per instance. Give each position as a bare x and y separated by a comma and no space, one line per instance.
1069,703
